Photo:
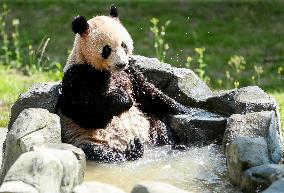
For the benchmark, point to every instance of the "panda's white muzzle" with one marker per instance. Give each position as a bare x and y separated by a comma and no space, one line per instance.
119,60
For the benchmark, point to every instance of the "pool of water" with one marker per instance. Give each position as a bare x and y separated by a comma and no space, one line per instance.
198,169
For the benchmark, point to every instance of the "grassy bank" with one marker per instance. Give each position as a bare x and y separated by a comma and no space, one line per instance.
253,29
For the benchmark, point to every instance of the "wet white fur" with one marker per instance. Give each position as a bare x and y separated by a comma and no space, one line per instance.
103,30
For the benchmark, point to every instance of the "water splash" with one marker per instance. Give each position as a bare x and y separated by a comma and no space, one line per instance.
199,169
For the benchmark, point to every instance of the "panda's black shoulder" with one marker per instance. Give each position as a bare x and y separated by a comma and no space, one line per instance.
85,72
85,77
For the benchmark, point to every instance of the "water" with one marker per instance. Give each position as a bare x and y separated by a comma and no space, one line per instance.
199,169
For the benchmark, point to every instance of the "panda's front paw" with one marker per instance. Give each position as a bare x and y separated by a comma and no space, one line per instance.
119,101
124,99
134,150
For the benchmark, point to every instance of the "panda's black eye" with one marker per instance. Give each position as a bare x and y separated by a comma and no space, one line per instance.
124,46
106,51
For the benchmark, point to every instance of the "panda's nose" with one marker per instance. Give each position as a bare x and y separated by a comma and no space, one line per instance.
120,65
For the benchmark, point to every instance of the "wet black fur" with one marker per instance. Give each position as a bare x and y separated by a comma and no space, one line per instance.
79,24
151,100
113,11
103,153
87,101
85,98
106,51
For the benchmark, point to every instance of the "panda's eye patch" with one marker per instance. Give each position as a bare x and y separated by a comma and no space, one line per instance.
106,51
124,46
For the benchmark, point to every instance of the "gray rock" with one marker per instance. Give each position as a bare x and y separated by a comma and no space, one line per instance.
32,127
259,124
40,95
179,83
275,139
243,153
249,125
80,155
96,187
47,170
222,102
260,177
155,187
276,187
198,129
240,101
253,99
17,187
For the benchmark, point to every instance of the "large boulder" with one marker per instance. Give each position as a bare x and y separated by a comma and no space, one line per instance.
276,187
247,125
275,139
17,187
253,99
259,124
32,127
47,170
260,177
244,153
80,155
179,83
240,101
96,187
155,187
206,129
40,95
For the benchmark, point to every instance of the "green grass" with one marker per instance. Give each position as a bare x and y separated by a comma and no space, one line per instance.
253,29
12,84
279,97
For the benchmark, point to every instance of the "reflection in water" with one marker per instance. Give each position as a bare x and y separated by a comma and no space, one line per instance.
199,169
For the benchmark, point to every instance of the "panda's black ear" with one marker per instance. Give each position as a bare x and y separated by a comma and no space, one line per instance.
80,24
113,11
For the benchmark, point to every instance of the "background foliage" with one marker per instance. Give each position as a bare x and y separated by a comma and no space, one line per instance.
227,43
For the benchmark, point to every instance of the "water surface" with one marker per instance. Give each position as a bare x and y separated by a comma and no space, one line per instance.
199,169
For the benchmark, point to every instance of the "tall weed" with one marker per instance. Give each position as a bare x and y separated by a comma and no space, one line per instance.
159,33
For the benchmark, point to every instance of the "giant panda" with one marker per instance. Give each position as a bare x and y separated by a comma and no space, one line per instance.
107,107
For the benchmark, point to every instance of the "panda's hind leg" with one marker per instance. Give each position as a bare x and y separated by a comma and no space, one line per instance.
95,146
104,153
100,152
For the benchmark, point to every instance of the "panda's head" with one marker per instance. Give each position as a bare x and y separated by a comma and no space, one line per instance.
102,42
